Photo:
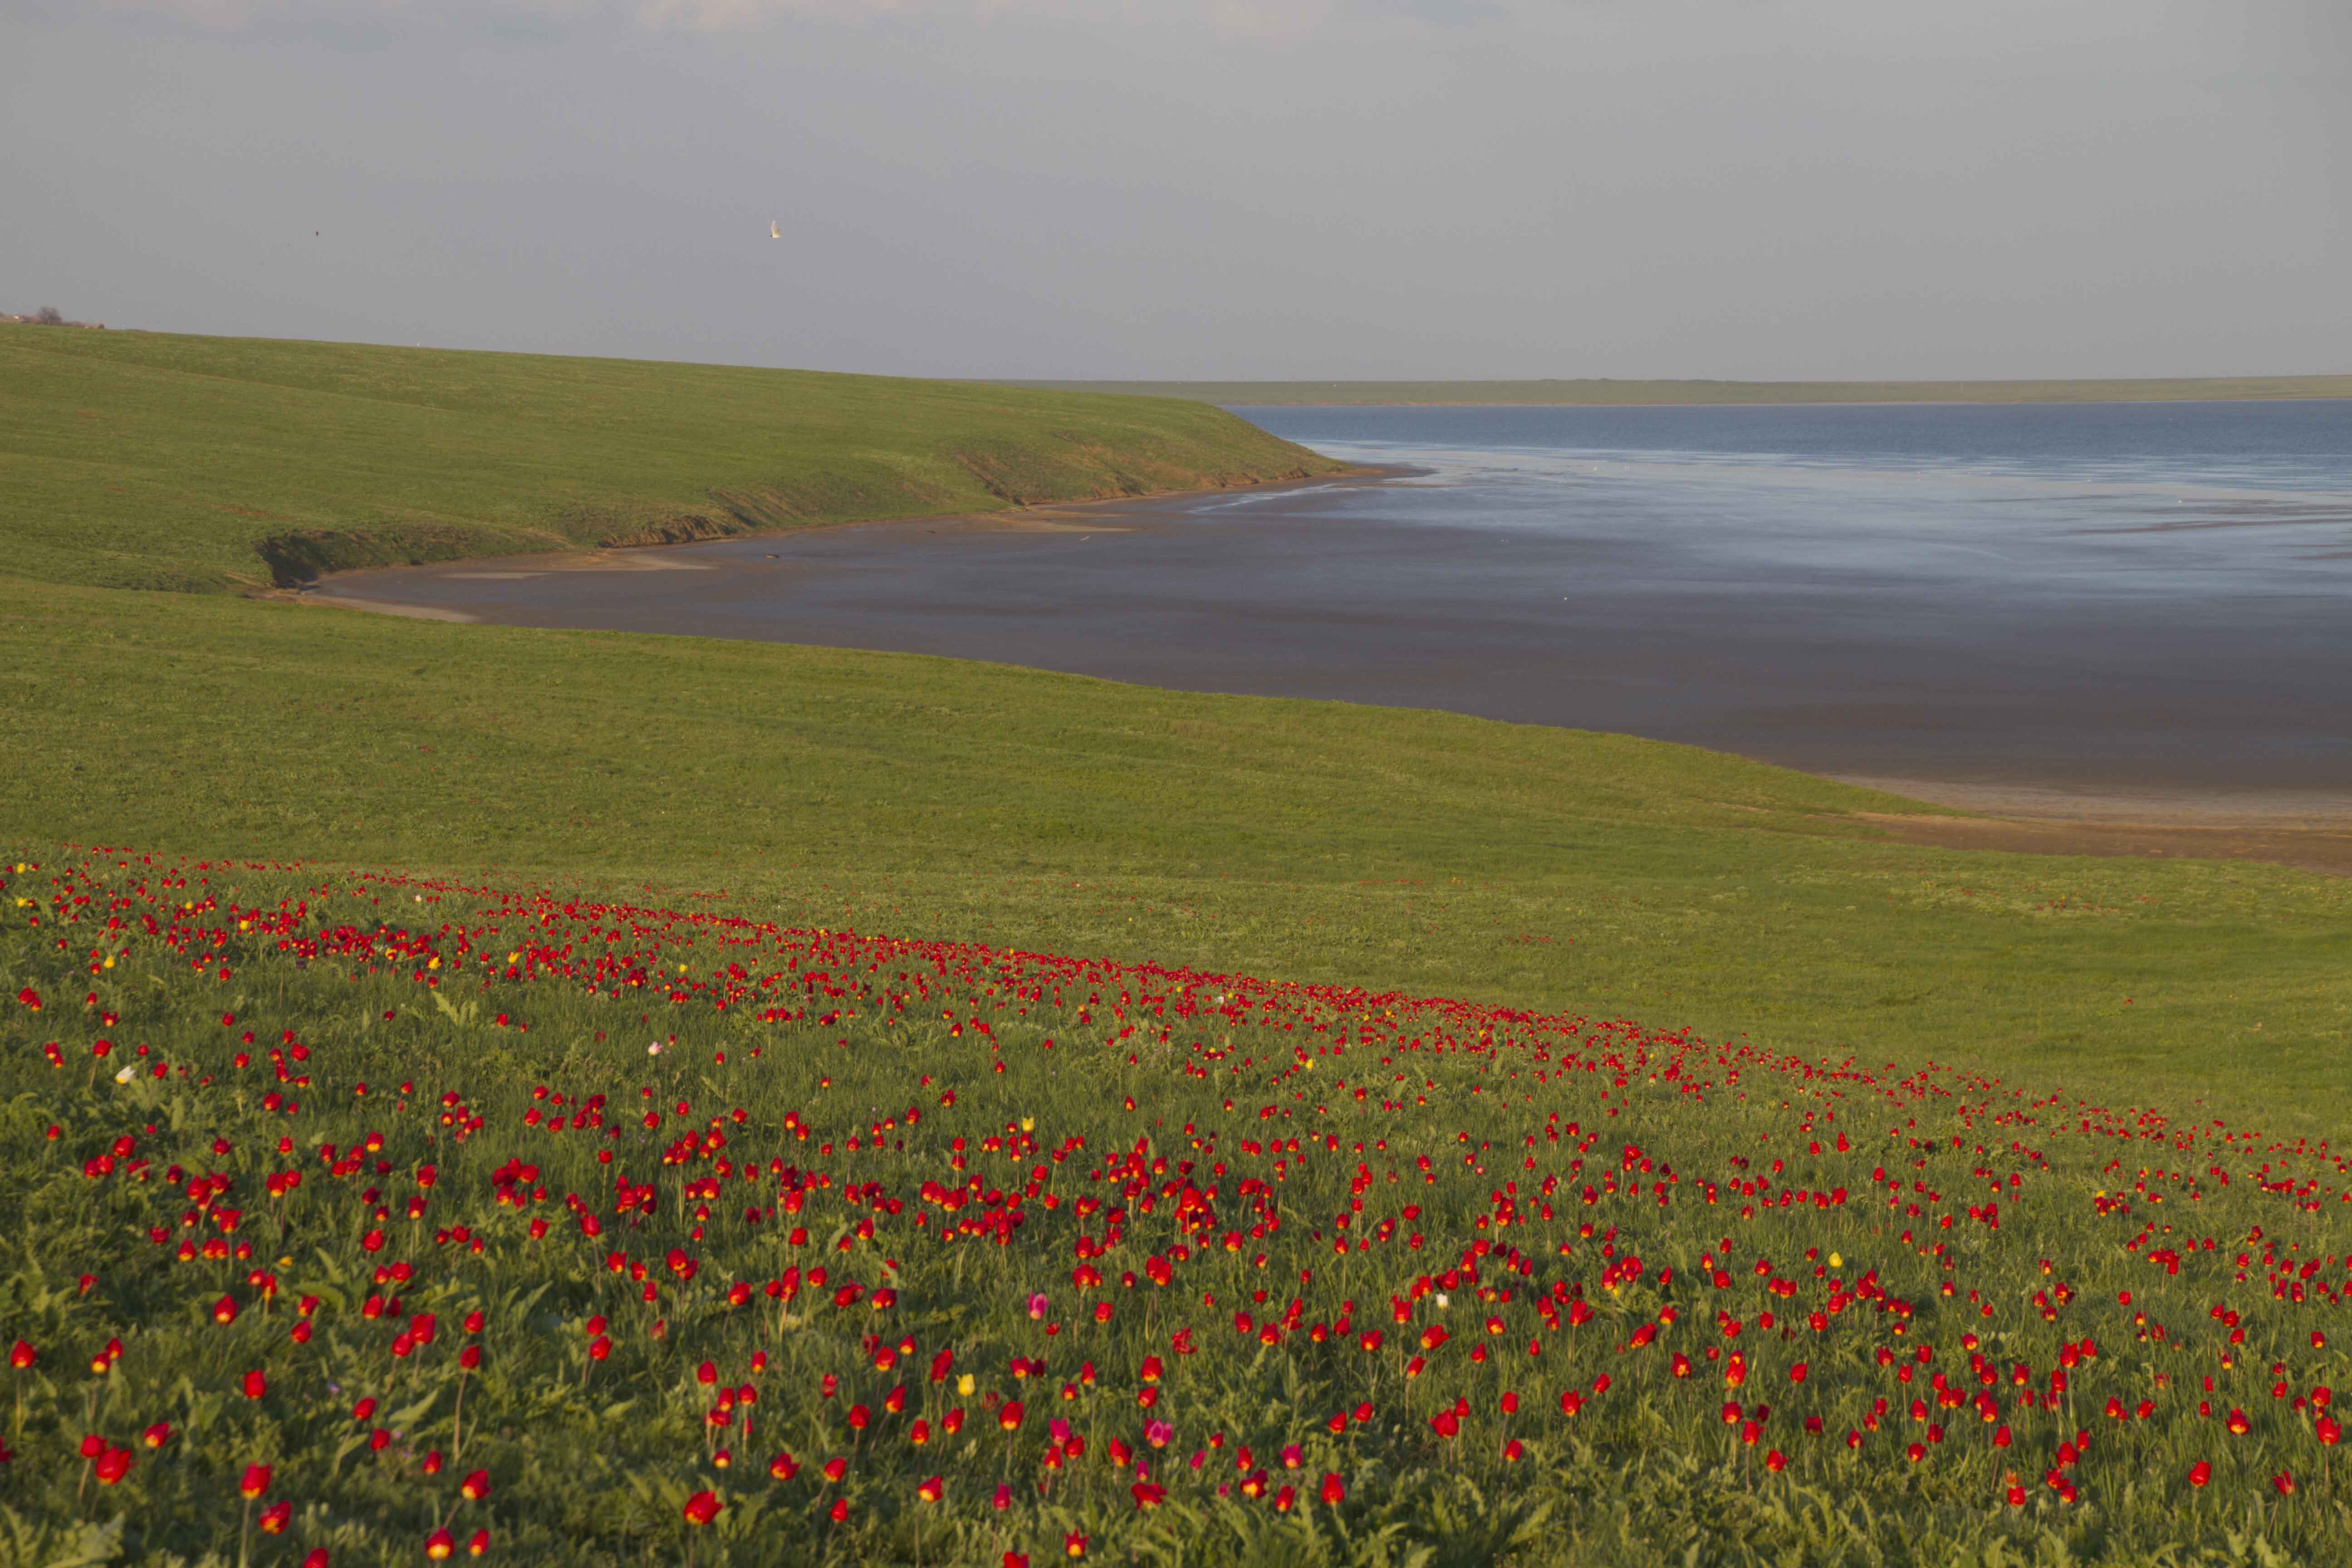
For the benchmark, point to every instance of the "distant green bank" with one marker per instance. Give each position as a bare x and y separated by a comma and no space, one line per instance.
1601,392
154,460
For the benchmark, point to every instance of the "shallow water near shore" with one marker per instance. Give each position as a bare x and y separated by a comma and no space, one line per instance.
2153,599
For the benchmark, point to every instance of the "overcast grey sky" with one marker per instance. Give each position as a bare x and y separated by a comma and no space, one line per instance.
1204,188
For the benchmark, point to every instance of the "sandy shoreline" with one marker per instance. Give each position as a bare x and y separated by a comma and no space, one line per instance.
1055,517
2311,830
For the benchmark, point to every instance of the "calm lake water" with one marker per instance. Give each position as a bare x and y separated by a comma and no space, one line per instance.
2154,596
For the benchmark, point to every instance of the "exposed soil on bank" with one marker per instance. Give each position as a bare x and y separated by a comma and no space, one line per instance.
2310,831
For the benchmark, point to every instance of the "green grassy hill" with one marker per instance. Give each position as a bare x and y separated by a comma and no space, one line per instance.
1312,841
1594,392
1447,856
327,1251
148,460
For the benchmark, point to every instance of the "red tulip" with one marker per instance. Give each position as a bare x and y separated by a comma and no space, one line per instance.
256,1480
703,1508
1334,1492
255,1384
478,1545
476,1487
113,1465
439,1544
783,1466
22,1355
275,1517
1009,1416
2200,1473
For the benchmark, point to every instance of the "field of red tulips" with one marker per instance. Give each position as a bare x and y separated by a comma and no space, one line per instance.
358,1219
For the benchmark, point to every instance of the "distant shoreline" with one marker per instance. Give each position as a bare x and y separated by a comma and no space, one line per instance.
1602,393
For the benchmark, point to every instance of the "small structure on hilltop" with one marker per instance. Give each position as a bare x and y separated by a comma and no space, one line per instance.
47,316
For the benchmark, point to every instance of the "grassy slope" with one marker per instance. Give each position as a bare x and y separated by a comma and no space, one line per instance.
153,460
1299,841
2177,1269
1601,392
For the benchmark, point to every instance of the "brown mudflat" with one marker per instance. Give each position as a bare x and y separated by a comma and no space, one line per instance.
2310,831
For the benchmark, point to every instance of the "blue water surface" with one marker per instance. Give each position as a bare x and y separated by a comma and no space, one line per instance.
2109,597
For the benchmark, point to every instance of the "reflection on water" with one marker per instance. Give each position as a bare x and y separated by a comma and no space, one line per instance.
2151,595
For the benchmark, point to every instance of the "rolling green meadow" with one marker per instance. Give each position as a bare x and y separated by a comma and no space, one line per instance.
1479,1143
154,460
